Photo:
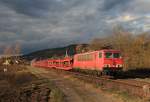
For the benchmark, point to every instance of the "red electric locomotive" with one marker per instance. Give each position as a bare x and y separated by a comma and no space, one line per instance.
103,60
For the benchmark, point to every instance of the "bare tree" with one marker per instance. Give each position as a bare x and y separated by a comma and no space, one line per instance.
17,49
82,48
101,43
7,54
8,51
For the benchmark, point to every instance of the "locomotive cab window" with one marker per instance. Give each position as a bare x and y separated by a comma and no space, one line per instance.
108,55
117,55
100,55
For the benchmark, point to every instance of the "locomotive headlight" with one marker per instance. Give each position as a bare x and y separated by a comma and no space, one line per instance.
119,65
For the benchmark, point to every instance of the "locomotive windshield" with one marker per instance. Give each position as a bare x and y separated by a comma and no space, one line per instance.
112,55
108,55
117,55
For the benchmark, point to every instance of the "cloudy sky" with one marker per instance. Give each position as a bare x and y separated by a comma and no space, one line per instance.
40,24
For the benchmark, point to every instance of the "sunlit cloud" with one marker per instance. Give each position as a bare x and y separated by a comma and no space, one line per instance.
128,18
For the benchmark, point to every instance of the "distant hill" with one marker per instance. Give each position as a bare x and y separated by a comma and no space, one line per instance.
54,52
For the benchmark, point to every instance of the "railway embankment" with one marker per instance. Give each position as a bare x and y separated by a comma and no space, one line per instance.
135,87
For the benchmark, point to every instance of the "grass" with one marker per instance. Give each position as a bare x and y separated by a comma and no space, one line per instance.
124,96
56,95
18,79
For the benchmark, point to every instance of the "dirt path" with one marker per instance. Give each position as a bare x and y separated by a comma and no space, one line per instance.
74,89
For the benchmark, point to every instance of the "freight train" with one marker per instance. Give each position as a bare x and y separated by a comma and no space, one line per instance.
105,61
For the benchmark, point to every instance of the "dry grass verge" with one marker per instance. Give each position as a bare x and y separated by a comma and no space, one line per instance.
18,85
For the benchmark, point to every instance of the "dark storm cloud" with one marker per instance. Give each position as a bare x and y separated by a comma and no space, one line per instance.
111,4
30,7
39,24
38,8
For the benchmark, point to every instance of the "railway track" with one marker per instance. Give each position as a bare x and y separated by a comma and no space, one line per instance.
131,86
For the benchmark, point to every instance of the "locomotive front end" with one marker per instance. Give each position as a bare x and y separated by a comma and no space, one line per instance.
112,61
